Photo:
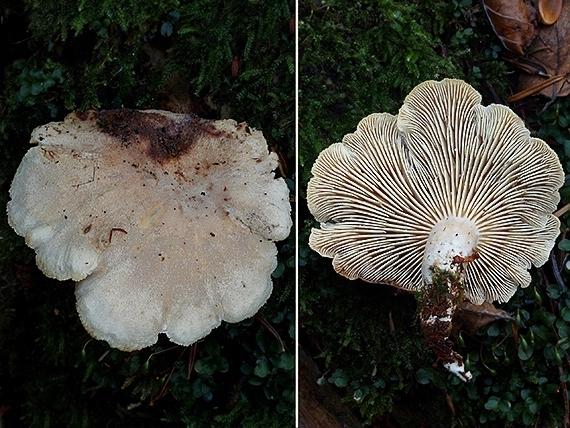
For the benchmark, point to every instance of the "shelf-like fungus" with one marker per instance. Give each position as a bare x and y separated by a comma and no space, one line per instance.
167,221
448,198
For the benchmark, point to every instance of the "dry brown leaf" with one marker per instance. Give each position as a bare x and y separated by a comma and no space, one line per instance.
472,317
551,49
549,11
514,22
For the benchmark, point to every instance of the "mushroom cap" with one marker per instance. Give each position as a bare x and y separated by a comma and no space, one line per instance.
167,221
379,193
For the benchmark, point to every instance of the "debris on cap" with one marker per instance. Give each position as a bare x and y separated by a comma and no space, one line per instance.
167,221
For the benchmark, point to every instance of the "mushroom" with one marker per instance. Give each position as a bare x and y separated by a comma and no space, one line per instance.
449,199
167,221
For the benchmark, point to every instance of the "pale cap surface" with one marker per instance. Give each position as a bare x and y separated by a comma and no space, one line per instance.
167,220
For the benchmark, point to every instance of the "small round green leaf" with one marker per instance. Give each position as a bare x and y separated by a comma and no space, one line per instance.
166,29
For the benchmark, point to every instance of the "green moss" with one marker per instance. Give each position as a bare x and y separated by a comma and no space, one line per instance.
360,58
346,326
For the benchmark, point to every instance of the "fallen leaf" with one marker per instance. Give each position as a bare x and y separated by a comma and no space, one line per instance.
514,22
235,66
472,317
551,49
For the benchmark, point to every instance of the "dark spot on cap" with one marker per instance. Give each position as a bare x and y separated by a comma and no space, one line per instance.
84,115
163,138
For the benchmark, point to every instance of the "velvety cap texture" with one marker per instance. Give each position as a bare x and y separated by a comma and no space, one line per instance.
168,221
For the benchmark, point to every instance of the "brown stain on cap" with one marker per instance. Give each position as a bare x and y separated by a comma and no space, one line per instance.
164,138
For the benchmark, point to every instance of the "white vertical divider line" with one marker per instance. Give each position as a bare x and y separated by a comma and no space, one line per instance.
296,35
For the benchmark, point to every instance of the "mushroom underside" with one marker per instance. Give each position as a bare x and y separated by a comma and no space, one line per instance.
447,188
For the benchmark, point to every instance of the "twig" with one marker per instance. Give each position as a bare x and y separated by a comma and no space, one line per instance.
269,327
556,271
536,88
565,399
563,263
191,359
162,392
562,210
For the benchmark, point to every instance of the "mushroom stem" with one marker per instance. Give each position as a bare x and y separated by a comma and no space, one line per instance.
439,303
450,245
